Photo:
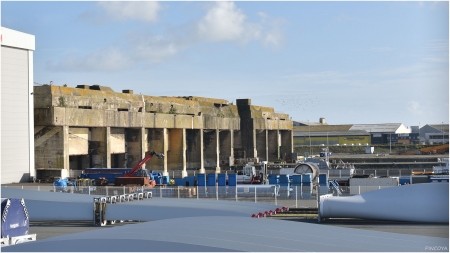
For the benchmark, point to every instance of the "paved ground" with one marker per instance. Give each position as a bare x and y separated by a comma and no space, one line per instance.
411,228
55,228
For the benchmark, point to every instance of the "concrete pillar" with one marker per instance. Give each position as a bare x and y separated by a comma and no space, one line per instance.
255,151
217,152
231,162
278,144
184,172
202,157
267,145
108,147
165,149
66,166
143,142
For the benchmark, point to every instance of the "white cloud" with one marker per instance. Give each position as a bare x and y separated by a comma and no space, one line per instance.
223,21
104,60
141,10
152,48
414,107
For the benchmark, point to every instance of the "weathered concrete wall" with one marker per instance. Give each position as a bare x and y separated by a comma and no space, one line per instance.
133,146
117,140
194,147
43,116
248,138
210,149
238,149
164,121
97,147
261,144
49,147
286,144
212,122
155,141
225,147
272,140
175,154
68,97
78,140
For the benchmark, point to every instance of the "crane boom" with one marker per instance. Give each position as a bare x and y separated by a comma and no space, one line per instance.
142,162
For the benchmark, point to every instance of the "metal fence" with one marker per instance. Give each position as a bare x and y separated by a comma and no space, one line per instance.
276,171
295,196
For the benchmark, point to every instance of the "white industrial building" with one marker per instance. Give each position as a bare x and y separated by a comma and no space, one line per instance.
17,123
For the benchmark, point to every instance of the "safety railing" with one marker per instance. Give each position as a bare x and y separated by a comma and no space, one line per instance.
292,196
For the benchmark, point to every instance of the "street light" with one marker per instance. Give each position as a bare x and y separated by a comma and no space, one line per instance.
309,130
442,132
390,143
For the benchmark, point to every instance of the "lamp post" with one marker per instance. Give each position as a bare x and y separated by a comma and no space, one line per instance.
419,134
309,133
390,139
442,132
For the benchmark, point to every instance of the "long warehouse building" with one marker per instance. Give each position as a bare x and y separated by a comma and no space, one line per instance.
17,148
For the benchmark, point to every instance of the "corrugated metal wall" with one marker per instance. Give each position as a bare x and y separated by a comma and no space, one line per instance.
15,157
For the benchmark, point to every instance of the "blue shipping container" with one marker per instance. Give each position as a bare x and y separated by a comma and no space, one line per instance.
222,179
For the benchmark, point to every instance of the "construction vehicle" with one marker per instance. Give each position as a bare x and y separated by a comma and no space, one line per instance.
138,175
249,175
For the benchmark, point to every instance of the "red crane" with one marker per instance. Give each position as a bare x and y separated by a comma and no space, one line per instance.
132,172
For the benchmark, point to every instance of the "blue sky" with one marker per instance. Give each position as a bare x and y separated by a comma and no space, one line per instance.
349,62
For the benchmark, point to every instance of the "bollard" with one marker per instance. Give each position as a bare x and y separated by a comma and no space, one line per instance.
275,193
